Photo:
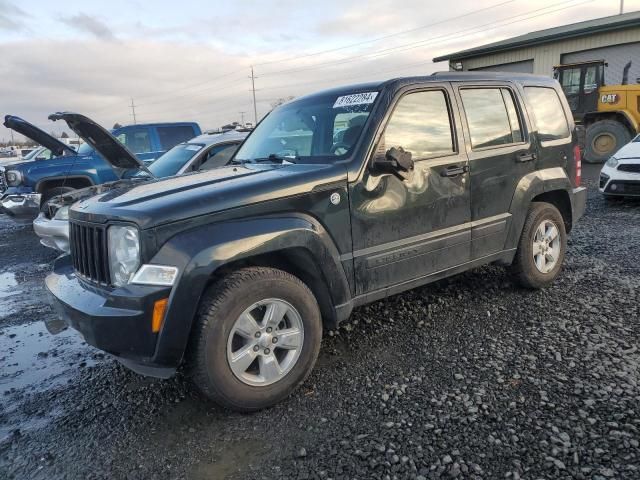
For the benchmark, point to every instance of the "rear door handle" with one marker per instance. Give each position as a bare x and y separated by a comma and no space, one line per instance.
454,170
526,157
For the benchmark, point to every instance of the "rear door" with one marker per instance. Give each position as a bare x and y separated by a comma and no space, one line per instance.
500,153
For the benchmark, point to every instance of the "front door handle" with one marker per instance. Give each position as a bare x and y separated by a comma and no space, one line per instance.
526,157
454,171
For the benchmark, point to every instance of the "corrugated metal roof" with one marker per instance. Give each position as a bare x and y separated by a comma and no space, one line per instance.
598,25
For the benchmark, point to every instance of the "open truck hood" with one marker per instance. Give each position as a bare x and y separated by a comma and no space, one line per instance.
114,152
39,136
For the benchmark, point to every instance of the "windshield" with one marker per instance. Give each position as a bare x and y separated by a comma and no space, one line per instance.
172,161
33,153
85,149
321,128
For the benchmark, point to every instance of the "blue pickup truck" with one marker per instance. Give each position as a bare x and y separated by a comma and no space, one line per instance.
26,186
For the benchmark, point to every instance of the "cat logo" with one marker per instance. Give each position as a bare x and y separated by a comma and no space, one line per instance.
609,98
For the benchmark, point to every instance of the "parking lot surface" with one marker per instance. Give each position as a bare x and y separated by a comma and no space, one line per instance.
472,377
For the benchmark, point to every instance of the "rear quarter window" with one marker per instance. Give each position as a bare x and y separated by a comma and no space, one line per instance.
172,136
548,113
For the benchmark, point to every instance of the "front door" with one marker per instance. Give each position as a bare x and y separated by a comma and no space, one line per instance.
407,228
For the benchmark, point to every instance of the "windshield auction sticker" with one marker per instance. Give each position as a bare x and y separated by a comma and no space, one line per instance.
355,99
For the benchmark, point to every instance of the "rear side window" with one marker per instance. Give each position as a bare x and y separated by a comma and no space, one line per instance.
172,136
547,112
420,124
492,117
136,140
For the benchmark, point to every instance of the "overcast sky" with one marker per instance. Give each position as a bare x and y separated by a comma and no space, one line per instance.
190,60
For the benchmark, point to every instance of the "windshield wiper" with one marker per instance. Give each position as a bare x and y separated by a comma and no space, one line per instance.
274,157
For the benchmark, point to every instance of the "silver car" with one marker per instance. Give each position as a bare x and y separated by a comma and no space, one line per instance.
204,152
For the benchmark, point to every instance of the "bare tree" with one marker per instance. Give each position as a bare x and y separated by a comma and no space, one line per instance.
281,100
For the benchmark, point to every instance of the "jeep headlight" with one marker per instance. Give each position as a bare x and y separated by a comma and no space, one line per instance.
14,177
612,162
124,253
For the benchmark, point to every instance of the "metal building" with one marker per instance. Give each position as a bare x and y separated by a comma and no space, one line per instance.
614,39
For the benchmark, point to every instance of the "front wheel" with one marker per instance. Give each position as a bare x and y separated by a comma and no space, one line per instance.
257,337
542,247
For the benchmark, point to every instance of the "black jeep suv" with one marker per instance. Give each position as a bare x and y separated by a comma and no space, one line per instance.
335,200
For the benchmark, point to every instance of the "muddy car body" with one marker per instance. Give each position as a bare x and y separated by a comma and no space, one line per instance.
234,272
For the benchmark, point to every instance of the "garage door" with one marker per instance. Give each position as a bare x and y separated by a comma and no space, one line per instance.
617,56
525,66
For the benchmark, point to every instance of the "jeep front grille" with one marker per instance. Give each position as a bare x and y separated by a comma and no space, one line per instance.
89,252
3,181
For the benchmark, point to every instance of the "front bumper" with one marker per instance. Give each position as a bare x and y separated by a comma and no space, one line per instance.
614,182
117,321
21,207
53,233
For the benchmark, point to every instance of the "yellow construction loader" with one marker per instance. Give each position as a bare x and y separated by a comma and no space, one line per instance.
610,113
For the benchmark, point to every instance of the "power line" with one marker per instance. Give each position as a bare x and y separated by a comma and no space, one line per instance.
419,43
384,37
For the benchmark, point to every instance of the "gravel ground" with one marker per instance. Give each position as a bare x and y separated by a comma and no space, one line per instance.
472,377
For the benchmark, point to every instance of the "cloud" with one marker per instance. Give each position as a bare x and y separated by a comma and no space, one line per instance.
88,24
11,17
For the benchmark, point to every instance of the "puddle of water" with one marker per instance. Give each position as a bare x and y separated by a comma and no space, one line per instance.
35,361
29,355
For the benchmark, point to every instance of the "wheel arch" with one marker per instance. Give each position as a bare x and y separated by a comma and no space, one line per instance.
297,244
73,181
549,185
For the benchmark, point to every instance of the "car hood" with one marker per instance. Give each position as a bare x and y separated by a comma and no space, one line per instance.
162,201
39,136
114,152
630,151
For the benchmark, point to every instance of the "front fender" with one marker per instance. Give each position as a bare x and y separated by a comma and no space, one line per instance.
200,252
529,187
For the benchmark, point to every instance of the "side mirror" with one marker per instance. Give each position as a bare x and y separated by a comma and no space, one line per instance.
396,161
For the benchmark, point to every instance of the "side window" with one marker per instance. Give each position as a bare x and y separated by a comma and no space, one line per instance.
571,81
547,112
492,117
219,156
514,119
172,136
136,140
420,124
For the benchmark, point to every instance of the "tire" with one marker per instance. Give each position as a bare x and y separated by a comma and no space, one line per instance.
610,135
524,267
53,192
209,364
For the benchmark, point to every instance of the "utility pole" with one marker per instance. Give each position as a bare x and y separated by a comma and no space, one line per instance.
133,111
253,88
621,7
242,118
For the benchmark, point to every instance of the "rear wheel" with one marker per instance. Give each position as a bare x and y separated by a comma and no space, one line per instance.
542,247
603,139
256,339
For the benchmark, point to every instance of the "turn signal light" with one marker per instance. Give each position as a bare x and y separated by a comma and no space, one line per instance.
159,309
